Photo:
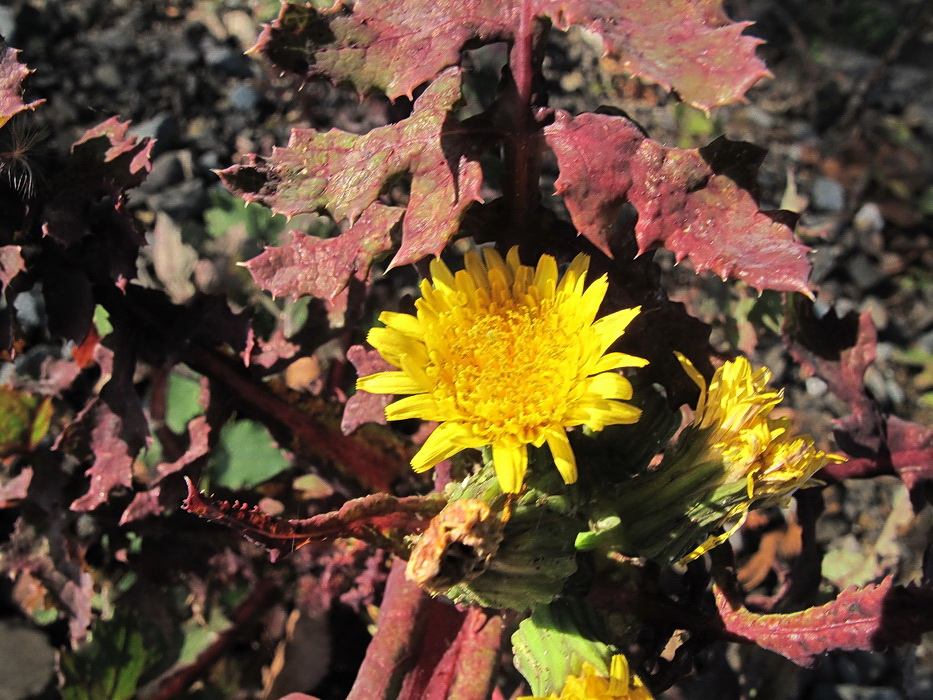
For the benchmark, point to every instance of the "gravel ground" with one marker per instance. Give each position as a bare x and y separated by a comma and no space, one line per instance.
848,124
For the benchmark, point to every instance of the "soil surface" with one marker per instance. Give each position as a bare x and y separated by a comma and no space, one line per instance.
847,120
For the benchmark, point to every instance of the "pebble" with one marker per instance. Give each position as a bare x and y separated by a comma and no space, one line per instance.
7,22
183,201
27,660
163,128
243,98
167,170
864,273
827,195
868,218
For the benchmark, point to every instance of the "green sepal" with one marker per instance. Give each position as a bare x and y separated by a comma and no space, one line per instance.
533,563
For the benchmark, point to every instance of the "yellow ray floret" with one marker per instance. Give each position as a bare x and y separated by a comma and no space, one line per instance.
733,420
589,685
505,355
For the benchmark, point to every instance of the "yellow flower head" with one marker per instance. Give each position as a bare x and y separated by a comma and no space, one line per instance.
505,355
621,685
733,418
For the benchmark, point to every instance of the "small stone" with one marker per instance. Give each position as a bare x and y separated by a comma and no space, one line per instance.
243,98
166,170
816,386
864,273
868,218
827,195
7,22
27,660
181,202
163,128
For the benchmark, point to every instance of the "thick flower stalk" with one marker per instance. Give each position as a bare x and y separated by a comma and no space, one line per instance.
589,685
506,355
734,456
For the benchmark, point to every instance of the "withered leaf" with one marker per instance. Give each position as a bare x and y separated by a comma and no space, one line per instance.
395,45
682,199
345,174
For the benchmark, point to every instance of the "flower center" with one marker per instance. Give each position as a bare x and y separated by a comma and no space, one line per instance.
509,368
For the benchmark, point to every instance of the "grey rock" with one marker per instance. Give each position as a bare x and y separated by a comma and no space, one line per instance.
227,59
860,692
108,76
243,98
868,219
827,195
824,260
7,23
26,660
181,202
167,170
163,127
865,273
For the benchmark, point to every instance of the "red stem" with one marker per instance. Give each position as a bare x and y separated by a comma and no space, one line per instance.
522,164
375,470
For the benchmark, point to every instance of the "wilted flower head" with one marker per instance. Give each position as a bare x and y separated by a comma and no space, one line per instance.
589,685
734,456
734,419
505,355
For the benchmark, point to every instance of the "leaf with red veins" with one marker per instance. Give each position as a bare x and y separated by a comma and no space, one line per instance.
379,518
113,462
344,174
682,201
394,46
867,619
307,265
688,45
874,443
364,407
12,74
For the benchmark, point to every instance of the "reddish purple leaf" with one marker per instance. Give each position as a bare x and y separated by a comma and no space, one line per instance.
322,267
688,45
50,572
278,347
14,490
12,73
396,45
143,505
113,462
105,162
911,448
866,619
682,201
379,518
873,442
364,407
199,431
345,174
153,501
11,264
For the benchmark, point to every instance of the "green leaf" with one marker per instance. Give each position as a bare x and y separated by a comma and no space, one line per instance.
122,650
24,419
228,211
183,402
555,642
246,455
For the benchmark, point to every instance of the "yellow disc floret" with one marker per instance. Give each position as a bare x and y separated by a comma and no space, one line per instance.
505,355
